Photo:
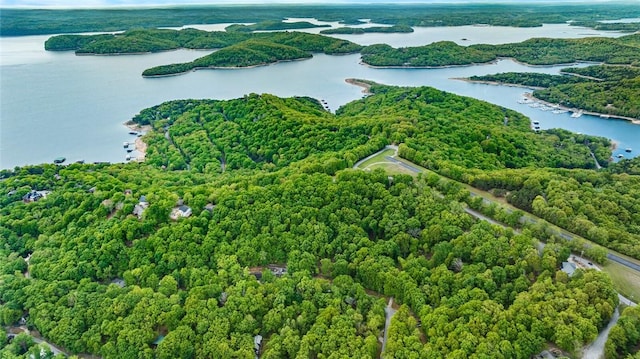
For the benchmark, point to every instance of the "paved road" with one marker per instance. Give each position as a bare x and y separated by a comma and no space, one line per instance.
623,261
54,349
413,168
390,313
596,349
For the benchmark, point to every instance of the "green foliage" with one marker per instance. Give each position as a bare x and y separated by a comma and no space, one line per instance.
272,25
238,49
366,30
611,90
538,51
625,335
528,79
443,53
621,98
32,22
275,174
596,205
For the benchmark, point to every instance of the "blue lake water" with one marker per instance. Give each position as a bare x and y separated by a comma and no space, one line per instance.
58,104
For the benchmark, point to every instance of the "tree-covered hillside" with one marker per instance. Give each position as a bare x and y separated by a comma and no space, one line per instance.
604,89
17,22
283,241
237,48
537,51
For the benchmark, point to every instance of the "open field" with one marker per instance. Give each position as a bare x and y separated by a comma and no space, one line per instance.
625,280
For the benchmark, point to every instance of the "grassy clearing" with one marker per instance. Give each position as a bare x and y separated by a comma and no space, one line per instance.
380,157
391,168
625,280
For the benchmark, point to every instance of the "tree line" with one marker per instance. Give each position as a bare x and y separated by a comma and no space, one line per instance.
103,281
19,22
605,89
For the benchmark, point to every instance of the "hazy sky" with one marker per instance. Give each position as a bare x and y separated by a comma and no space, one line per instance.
106,3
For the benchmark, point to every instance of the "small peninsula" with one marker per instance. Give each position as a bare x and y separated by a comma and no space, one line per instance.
605,90
237,49
365,30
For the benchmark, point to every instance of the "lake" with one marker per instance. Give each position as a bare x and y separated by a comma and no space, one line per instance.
58,104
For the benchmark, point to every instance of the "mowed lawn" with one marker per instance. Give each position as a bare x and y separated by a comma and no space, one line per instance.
625,280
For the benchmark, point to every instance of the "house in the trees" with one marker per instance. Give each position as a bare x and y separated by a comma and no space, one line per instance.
34,196
569,268
180,212
139,208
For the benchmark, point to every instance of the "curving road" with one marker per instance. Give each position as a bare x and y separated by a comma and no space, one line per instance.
563,234
596,349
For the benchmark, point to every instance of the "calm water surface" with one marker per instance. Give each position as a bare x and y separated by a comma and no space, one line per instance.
58,104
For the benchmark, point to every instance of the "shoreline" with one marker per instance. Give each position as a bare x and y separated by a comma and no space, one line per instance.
481,63
365,86
224,68
605,116
529,95
495,83
140,145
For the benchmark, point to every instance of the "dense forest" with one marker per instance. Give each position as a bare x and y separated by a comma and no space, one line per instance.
370,29
528,79
241,48
286,243
262,49
609,90
238,49
625,335
272,25
16,22
537,51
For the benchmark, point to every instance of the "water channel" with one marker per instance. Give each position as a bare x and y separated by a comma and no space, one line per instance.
56,104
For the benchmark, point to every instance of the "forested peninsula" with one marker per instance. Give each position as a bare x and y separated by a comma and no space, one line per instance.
411,223
366,30
537,51
241,49
19,22
238,49
607,90
285,242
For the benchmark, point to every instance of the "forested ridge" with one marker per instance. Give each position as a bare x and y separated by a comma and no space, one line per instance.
17,22
270,184
370,29
536,51
609,90
241,49
237,48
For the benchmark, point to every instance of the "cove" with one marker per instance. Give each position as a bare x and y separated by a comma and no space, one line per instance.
57,104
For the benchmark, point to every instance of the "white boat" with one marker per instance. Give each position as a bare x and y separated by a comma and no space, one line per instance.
576,114
125,144
628,149
620,155
559,111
